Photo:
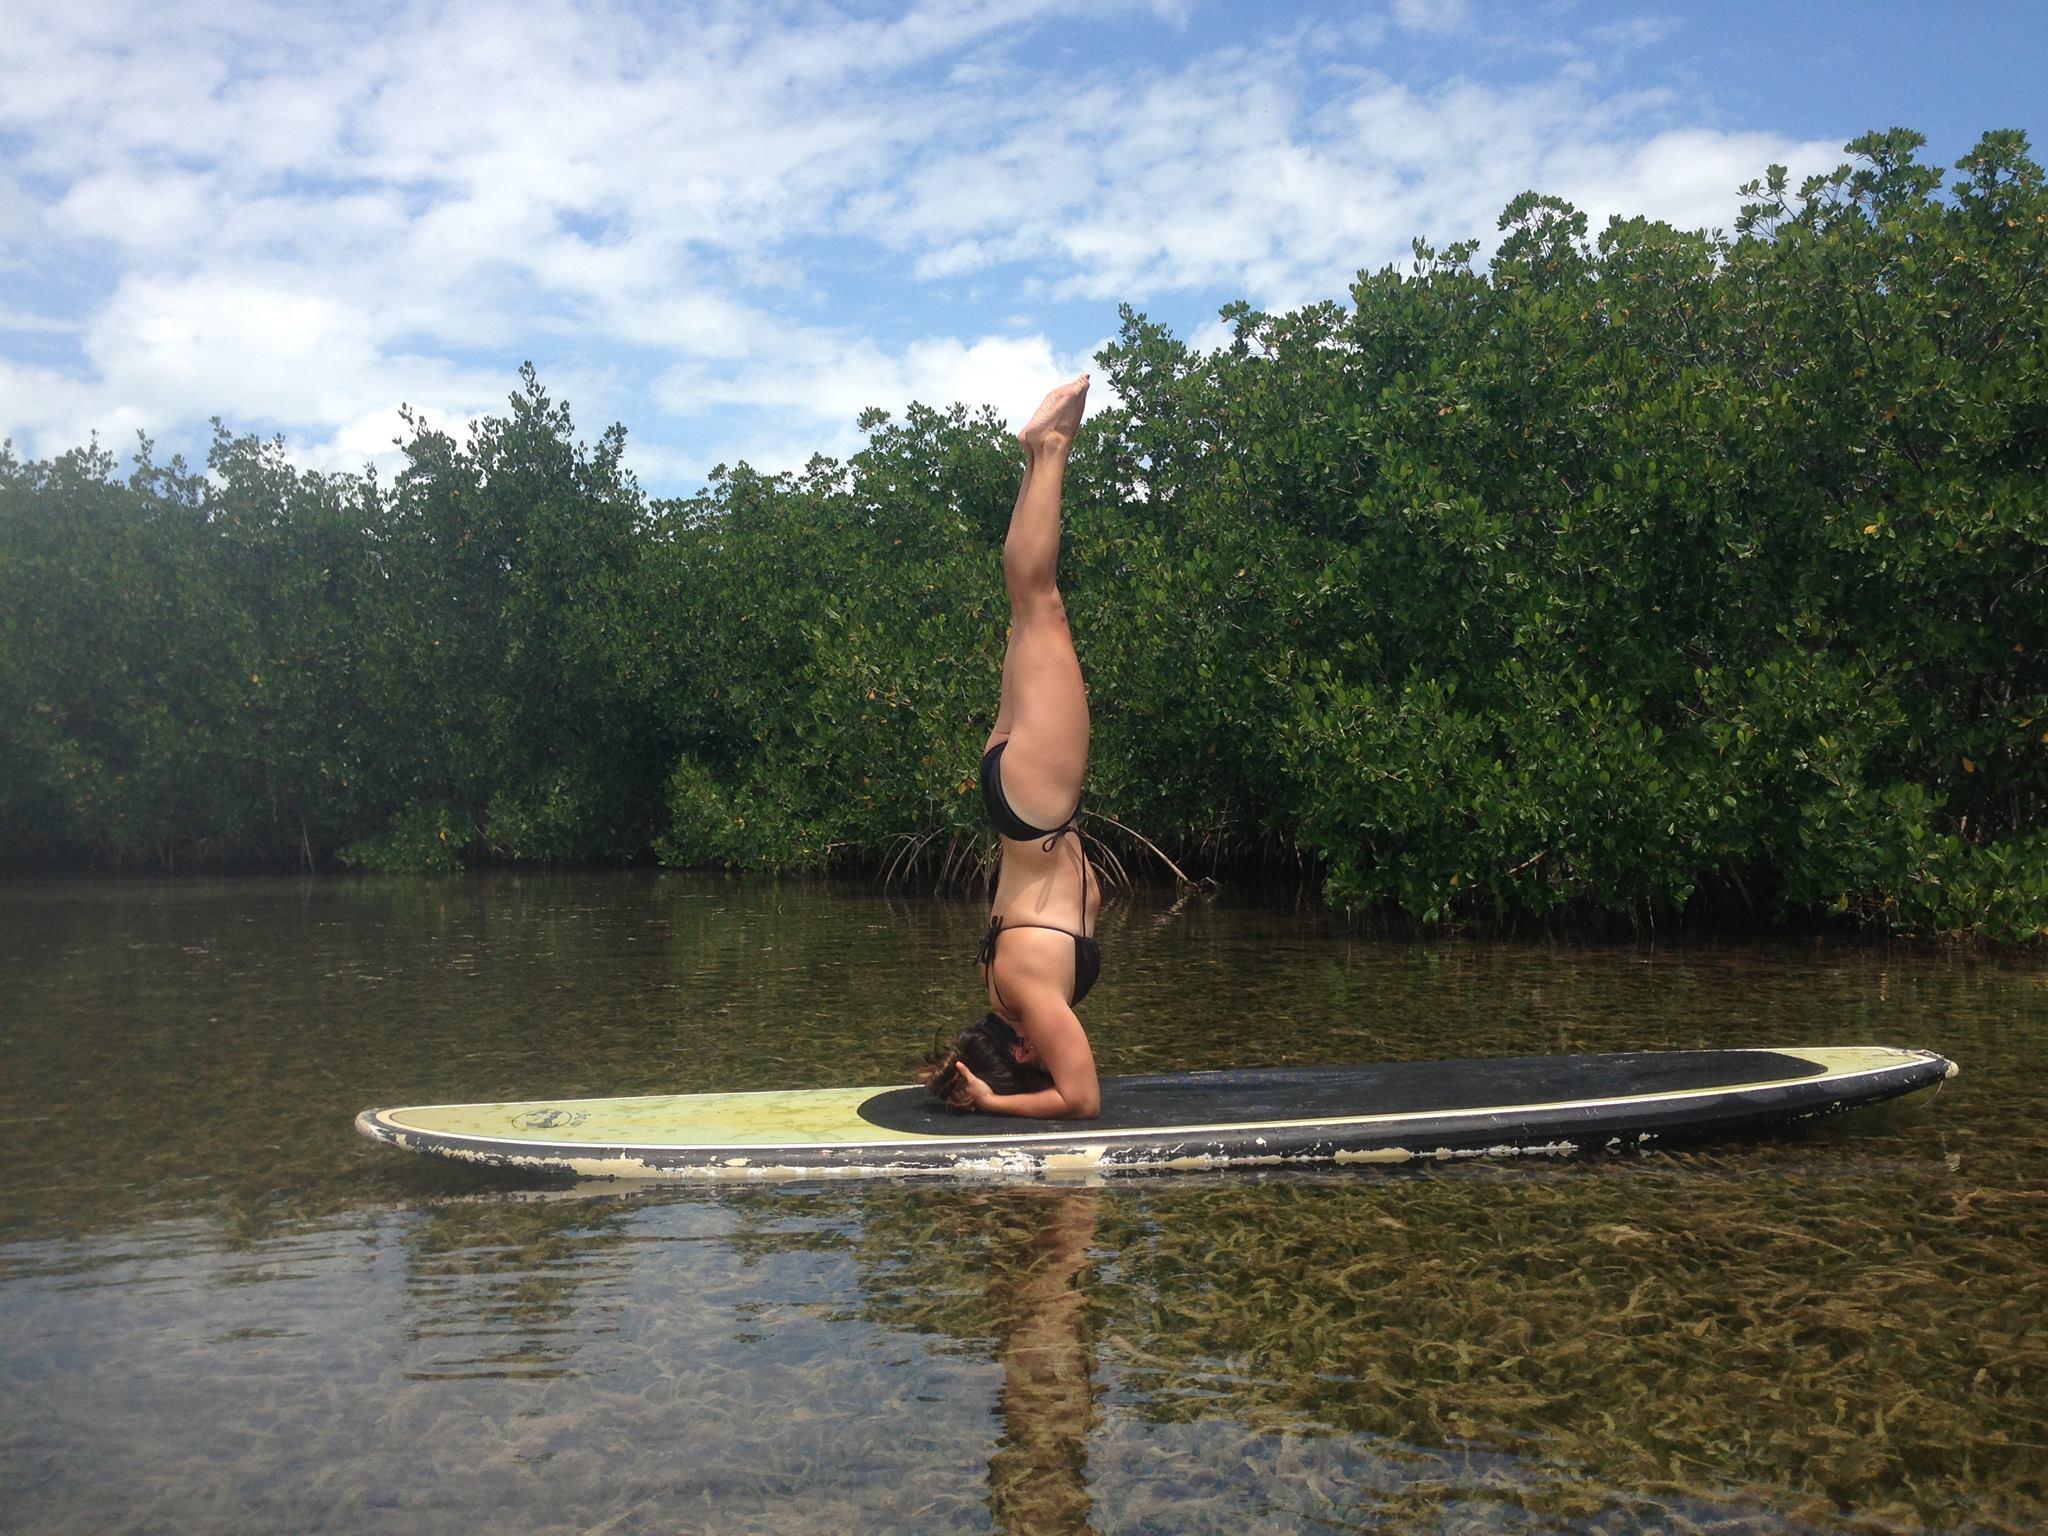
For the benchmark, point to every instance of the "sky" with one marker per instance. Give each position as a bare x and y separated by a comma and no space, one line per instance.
734,224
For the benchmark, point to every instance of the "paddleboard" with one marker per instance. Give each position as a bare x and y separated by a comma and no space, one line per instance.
1383,1113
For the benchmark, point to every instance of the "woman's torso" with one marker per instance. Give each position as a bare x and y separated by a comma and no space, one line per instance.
1041,898
1058,888
1046,894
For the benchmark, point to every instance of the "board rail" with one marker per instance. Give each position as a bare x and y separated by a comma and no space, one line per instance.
833,1132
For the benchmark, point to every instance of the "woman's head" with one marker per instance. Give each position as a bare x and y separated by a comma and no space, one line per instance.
994,1052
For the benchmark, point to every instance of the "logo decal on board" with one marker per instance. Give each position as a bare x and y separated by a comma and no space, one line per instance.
550,1119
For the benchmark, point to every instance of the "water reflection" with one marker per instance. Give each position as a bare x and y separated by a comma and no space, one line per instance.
1038,1476
1546,1343
1662,1343
512,1286
221,1309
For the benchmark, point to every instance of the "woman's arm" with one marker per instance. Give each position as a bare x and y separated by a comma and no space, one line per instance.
1063,1050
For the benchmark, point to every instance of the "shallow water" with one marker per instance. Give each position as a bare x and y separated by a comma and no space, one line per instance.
221,1309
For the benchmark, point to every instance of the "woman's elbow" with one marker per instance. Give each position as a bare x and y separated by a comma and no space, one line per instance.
1084,1106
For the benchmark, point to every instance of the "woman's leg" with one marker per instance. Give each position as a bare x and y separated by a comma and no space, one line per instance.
1044,710
1006,710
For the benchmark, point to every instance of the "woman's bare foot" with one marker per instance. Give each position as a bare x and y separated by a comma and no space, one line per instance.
1058,417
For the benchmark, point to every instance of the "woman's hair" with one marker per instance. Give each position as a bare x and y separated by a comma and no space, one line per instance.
986,1046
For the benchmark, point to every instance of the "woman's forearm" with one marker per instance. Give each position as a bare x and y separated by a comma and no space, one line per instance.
1044,1104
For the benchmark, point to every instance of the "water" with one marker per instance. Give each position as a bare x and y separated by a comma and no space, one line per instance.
220,1309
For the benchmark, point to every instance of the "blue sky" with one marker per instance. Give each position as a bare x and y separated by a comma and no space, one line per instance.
733,225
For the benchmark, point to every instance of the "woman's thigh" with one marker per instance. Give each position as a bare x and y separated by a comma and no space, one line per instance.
1046,705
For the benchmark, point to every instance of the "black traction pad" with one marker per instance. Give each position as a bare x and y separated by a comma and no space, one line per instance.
1266,1095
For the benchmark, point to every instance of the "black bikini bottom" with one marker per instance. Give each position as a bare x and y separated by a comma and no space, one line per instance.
1005,819
1087,955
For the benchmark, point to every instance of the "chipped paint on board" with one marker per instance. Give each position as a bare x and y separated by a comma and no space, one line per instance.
1373,1155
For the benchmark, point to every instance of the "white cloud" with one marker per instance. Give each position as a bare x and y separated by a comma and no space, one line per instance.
1219,176
1212,336
1684,176
165,210
728,207
23,320
1624,37
808,386
1431,15
371,439
62,412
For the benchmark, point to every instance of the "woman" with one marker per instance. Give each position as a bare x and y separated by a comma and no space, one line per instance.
1029,1054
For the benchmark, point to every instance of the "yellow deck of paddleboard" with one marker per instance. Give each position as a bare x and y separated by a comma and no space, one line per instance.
779,1118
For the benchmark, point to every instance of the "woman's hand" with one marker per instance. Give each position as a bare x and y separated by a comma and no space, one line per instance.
980,1092
1062,1048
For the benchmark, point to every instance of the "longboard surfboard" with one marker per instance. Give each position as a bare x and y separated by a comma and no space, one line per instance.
1381,1113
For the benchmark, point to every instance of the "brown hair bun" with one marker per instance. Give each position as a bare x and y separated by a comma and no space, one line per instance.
987,1047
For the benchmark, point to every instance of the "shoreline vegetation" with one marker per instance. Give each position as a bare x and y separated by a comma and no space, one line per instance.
1658,577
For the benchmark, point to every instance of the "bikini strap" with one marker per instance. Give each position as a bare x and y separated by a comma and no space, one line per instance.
997,923
1087,868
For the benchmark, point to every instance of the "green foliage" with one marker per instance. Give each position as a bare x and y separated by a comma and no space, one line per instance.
418,842
1650,573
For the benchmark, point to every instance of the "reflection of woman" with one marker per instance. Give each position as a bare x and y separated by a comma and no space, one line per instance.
1038,1476
1029,1054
